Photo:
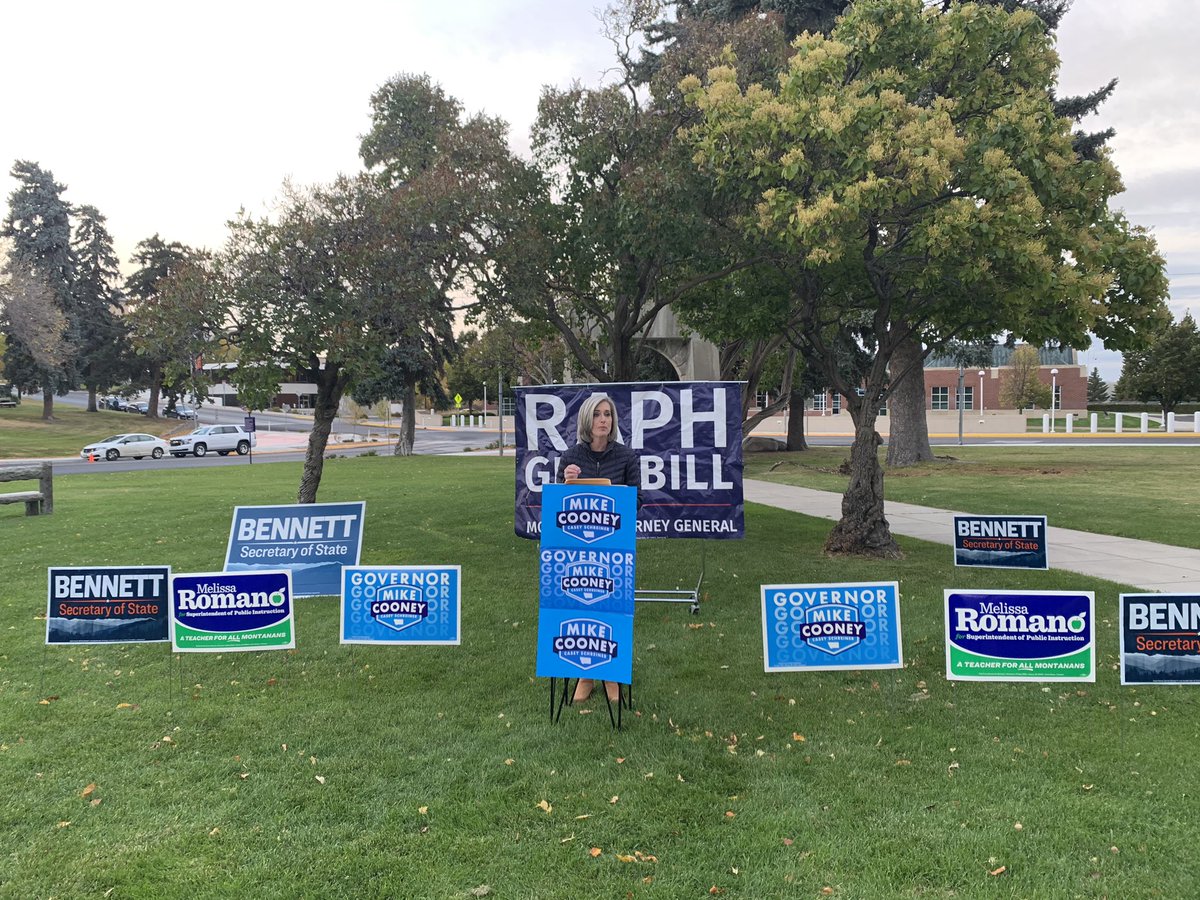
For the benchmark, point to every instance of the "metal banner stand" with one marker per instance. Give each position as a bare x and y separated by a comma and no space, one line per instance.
566,698
677,596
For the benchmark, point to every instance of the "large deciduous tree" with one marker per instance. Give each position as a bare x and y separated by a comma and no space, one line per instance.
1020,387
1167,371
896,169
445,182
38,225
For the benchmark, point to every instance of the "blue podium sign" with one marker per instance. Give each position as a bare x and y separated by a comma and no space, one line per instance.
401,605
829,627
593,645
597,580
600,516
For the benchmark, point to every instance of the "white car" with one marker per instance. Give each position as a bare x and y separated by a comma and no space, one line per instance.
222,439
125,445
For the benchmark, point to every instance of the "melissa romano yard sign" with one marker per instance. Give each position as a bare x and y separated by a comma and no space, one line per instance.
215,612
1020,635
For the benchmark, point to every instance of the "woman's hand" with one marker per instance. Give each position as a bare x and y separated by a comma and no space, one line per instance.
571,472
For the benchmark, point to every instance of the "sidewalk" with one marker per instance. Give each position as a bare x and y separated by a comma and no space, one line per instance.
1145,565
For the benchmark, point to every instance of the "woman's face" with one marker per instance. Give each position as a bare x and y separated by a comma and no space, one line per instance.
602,421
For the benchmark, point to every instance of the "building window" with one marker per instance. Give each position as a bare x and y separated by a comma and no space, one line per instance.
1058,396
762,399
837,403
968,398
819,402
939,398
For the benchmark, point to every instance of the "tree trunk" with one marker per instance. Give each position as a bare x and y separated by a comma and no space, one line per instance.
408,421
156,380
325,406
908,442
47,404
91,405
795,425
863,530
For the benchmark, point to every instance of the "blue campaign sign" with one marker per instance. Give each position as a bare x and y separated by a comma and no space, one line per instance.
826,627
1160,639
688,437
1020,635
314,540
579,515
1000,542
585,579
401,605
108,604
585,645
213,612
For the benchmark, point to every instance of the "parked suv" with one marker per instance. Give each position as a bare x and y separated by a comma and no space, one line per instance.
220,439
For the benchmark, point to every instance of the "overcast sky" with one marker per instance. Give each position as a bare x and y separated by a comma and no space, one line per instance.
170,117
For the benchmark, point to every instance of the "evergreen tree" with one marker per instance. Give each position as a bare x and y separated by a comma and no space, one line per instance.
150,317
39,227
104,351
1097,390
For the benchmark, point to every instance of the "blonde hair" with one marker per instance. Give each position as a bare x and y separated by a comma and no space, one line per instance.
587,410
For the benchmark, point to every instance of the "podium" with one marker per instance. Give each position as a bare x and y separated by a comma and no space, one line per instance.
586,575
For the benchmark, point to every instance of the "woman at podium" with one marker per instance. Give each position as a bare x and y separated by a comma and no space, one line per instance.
600,456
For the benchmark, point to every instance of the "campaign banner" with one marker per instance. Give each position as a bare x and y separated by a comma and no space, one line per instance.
828,627
579,515
687,434
590,644
108,604
1020,635
582,579
215,612
401,605
314,540
1000,542
1160,639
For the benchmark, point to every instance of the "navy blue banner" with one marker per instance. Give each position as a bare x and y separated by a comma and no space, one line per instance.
1000,542
108,604
1160,639
689,438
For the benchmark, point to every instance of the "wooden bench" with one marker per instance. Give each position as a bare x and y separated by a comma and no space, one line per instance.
39,501
8,402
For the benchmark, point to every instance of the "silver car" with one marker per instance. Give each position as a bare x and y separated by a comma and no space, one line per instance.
125,445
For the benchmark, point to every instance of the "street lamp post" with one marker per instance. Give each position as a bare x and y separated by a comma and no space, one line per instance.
981,374
1053,396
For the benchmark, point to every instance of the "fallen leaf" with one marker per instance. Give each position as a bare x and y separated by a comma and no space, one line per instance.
95,801
903,762
952,768
735,871
87,791
545,807
1017,826
509,762
423,810
613,799
215,832
243,775
729,814
482,891
787,842
999,871
64,824
584,816
124,706
626,858
797,736
716,890
827,890
567,840
320,779
594,852
649,879
620,759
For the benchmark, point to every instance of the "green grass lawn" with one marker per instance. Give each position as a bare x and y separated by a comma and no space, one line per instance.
23,434
433,771
1138,492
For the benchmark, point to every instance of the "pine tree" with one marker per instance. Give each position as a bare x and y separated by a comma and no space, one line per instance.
103,340
1097,389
